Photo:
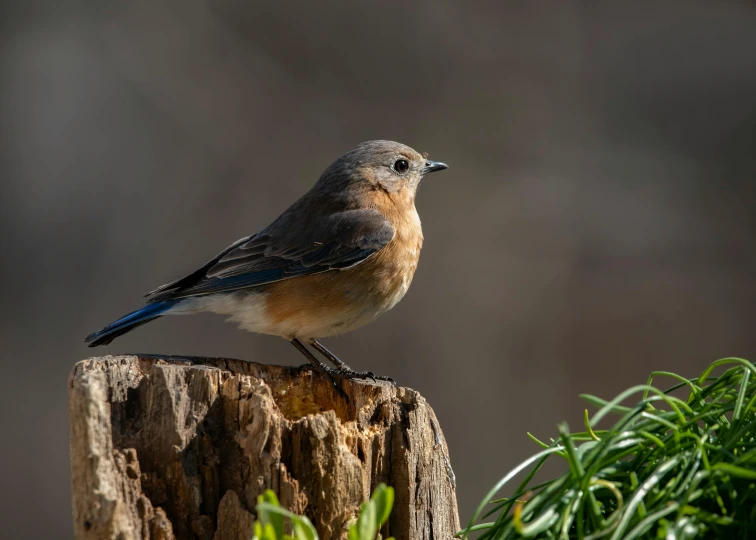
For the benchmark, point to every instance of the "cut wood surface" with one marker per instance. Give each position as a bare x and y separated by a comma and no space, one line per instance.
165,447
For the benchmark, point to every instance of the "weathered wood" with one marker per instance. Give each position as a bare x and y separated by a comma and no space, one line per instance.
181,448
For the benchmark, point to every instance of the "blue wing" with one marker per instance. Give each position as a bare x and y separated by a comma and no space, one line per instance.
288,248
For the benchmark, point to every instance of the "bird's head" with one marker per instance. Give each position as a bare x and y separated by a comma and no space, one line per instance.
388,166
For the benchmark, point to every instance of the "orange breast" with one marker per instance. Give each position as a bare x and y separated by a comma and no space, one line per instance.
338,301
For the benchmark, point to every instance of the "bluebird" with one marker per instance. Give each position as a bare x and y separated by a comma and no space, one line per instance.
336,259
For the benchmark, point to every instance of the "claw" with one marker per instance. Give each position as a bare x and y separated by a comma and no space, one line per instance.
343,371
345,374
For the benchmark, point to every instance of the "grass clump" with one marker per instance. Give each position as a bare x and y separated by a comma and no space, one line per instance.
669,467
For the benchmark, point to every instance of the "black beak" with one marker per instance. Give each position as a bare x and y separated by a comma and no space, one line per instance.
433,166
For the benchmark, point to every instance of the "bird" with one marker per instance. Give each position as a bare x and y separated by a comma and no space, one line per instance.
339,257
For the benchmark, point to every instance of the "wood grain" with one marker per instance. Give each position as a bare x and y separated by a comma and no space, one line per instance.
180,448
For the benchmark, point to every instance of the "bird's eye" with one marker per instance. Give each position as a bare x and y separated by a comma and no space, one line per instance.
401,166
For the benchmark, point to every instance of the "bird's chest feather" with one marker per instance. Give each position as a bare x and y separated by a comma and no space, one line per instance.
388,274
340,300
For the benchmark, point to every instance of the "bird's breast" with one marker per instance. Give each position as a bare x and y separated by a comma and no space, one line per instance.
338,301
392,269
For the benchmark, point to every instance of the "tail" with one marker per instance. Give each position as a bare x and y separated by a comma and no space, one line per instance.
129,322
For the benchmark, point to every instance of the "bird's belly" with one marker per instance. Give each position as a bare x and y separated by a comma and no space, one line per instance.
336,302
325,310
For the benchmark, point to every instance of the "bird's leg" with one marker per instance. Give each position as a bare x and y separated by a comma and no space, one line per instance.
318,365
331,357
342,372
345,371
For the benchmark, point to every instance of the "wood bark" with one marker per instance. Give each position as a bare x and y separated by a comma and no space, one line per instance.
166,448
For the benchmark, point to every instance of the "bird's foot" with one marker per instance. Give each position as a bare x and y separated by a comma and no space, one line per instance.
344,374
342,370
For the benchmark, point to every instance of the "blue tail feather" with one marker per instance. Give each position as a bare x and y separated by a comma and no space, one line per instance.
128,322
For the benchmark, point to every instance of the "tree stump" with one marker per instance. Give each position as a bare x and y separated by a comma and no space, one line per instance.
165,447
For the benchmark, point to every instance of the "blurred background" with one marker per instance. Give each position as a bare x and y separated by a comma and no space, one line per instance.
597,221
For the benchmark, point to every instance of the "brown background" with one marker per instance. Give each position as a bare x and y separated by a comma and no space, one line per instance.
597,221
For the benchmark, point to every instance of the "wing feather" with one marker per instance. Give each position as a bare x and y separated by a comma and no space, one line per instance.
287,249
